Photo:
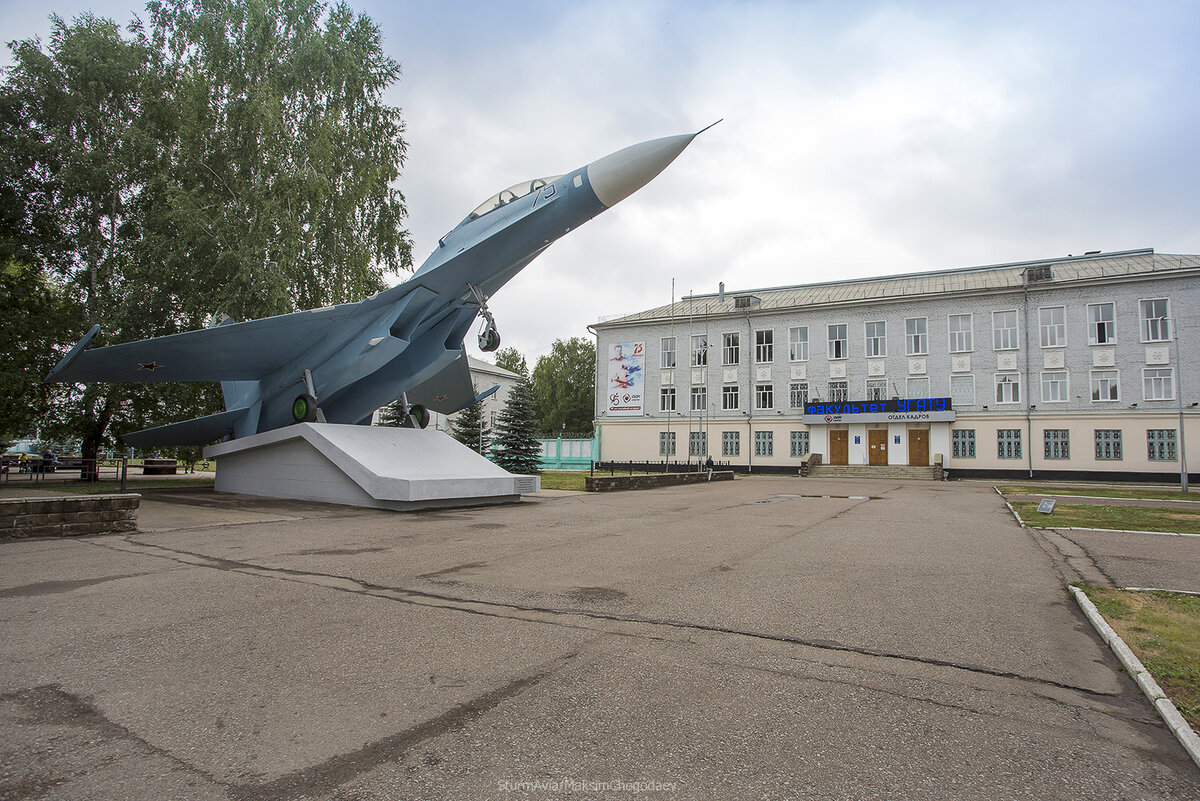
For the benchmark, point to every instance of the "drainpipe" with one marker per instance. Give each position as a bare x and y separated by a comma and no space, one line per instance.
1028,381
749,395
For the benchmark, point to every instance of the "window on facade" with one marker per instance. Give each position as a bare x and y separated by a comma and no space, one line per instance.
1156,325
838,392
837,341
798,394
1102,323
962,443
699,351
764,396
916,336
1004,330
764,443
917,388
1054,387
1056,443
1105,386
731,348
1053,323
667,349
1160,444
764,347
731,443
798,344
799,444
699,398
1108,444
729,397
1158,383
961,339
876,338
962,390
666,399
697,443
876,389
1008,388
666,443
1008,443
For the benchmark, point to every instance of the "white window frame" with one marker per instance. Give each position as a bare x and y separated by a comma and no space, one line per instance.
875,338
666,349
730,397
1005,337
876,389
798,343
1099,379
1161,379
916,337
798,390
916,380
1158,327
1005,380
839,390
957,400
764,396
1100,330
699,396
665,393
1052,325
731,348
839,346
764,346
1052,380
700,350
961,340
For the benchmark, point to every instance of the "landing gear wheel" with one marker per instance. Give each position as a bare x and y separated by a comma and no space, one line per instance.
420,416
489,340
304,409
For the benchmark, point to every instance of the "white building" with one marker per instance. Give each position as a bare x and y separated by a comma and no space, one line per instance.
1065,367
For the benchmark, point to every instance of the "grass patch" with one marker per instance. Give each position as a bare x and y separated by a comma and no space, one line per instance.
564,480
1135,518
1098,492
1163,629
95,487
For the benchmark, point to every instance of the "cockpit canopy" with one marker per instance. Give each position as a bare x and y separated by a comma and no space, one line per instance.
506,196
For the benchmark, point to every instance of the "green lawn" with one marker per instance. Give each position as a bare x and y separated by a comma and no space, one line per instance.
1099,491
564,480
1134,518
1163,629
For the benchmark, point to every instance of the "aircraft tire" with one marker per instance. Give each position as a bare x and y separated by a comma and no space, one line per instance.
489,340
304,409
420,416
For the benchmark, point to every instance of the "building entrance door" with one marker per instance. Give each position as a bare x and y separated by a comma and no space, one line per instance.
918,446
877,442
839,446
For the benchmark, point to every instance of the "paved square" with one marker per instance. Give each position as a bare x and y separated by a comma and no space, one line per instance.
736,640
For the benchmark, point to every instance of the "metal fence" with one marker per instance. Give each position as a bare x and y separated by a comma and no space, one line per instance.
36,472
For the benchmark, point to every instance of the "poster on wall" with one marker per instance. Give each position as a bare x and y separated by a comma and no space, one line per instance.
626,378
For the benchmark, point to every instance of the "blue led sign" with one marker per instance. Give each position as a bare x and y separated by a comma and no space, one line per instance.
893,406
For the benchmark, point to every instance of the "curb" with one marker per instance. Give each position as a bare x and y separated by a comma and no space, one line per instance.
1158,699
1023,524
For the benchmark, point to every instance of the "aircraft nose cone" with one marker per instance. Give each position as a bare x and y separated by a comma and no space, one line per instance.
618,175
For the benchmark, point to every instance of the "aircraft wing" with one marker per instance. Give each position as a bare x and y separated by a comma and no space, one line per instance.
449,391
233,352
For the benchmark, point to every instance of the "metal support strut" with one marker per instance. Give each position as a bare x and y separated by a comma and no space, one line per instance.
489,337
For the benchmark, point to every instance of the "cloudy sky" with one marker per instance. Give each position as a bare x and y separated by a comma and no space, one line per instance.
859,138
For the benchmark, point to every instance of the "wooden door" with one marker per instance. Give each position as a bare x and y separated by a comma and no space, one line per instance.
877,444
839,446
918,446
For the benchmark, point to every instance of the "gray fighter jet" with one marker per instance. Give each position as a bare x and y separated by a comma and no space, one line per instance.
341,363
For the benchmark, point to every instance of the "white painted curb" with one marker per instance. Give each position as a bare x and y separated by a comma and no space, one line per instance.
1175,722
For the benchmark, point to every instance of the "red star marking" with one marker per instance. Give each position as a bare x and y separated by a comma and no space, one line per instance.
440,398
151,366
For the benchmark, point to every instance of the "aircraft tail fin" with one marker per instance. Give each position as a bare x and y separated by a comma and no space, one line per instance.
197,431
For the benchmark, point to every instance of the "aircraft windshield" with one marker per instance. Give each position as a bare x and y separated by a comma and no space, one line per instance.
509,195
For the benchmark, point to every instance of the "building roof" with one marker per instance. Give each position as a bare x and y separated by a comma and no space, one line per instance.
480,366
965,280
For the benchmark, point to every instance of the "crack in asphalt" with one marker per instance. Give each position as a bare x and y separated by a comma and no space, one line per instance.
554,616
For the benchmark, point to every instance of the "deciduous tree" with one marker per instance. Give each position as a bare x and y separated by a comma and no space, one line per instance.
564,387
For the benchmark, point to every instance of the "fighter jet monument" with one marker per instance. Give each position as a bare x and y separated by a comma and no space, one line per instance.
306,375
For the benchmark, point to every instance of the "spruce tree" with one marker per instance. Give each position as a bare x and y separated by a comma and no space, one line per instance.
468,428
515,448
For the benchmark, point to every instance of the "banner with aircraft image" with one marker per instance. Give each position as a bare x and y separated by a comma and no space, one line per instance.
626,379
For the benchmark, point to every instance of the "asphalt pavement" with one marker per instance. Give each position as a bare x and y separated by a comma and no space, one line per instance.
767,638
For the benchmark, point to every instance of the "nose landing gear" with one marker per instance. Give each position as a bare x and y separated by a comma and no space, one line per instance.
489,337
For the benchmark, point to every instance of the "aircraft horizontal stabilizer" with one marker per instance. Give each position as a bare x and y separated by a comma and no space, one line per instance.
197,431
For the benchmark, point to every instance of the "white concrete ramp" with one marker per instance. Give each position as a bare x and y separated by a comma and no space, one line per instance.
375,466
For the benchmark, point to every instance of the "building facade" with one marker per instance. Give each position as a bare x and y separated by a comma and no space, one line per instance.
1066,367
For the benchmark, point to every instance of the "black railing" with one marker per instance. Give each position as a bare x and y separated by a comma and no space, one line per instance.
37,471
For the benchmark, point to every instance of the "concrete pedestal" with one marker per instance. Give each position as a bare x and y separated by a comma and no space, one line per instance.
383,468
